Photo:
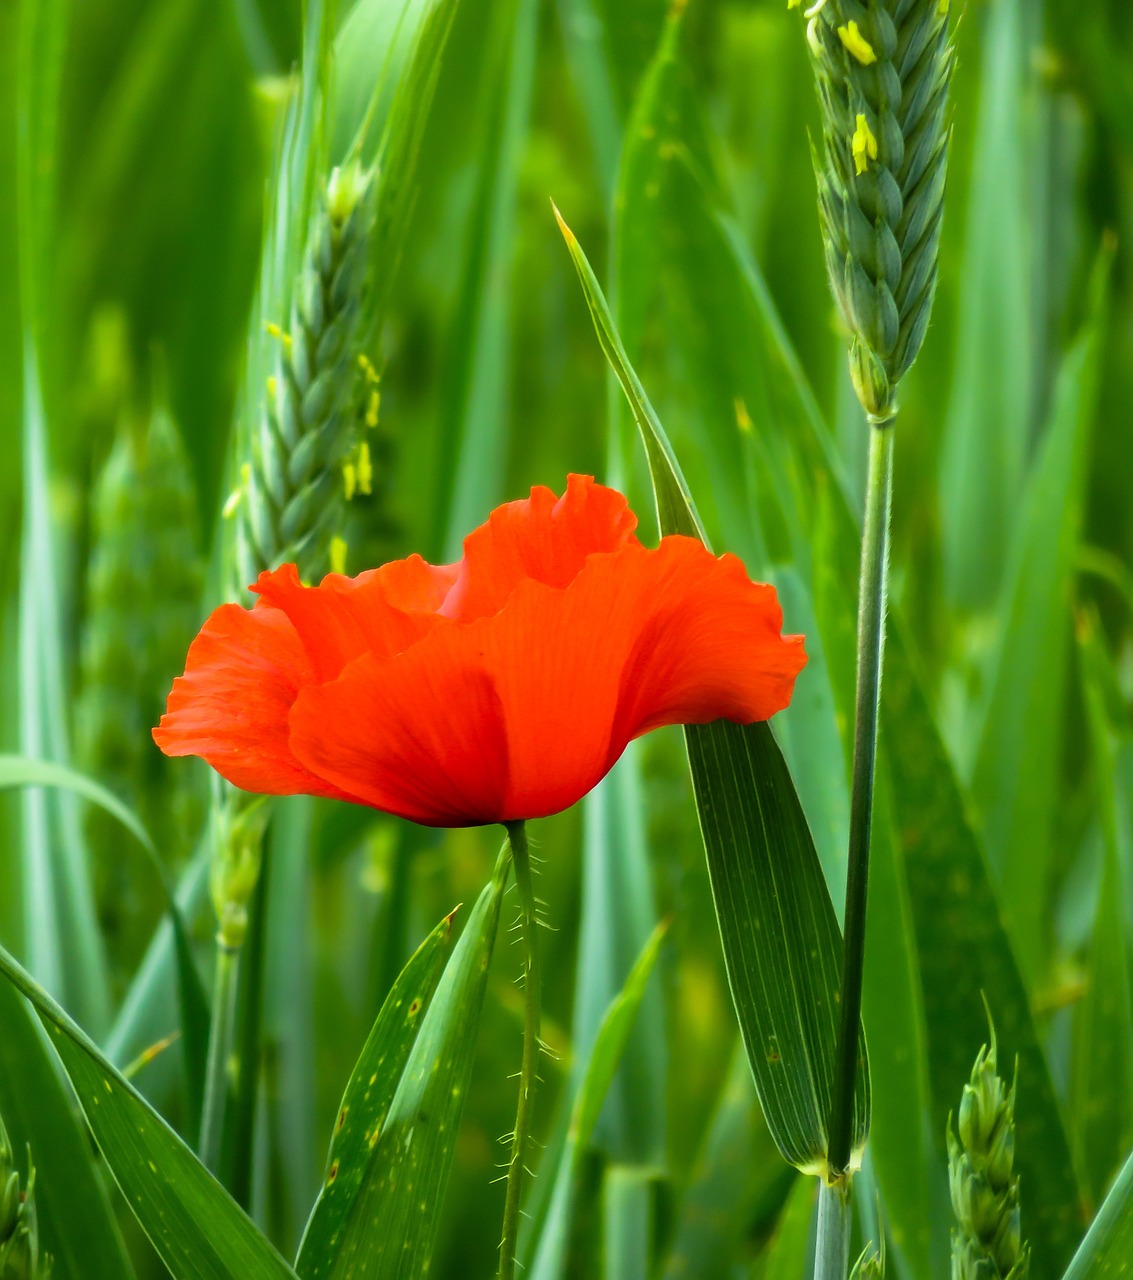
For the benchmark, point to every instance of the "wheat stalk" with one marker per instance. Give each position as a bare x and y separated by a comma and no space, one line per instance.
308,451
987,1243
20,1258
882,70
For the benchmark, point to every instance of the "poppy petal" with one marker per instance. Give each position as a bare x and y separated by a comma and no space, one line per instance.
242,674
382,611
542,538
639,639
420,735
710,648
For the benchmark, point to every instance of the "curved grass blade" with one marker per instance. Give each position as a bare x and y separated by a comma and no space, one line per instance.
193,1223
18,771
777,923
388,1222
369,1094
77,1223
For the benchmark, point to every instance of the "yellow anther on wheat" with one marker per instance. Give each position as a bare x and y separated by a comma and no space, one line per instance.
233,499
278,334
349,480
367,367
273,386
365,469
337,554
373,407
864,145
856,43
743,418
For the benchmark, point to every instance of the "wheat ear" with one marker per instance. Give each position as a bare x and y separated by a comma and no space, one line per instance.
308,450
882,69
987,1243
20,1258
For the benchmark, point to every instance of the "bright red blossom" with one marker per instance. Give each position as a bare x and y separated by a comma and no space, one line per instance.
501,687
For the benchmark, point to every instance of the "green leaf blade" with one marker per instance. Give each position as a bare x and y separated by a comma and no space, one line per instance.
193,1223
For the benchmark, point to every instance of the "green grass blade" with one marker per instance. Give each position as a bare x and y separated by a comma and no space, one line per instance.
989,416
735,1176
393,1219
475,398
617,918
787,1255
626,1227
777,923
963,950
58,897
1101,1063
18,771
1014,783
1105,1252
76,1219
609,1045
191,1220
365,1104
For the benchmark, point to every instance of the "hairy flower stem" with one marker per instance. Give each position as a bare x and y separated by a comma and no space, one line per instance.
832,1243
517,838
220,1052
872,592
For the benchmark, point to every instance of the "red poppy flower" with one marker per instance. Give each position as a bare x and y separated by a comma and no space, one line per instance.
499,688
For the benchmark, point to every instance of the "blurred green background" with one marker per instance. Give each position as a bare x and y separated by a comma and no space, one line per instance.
686,175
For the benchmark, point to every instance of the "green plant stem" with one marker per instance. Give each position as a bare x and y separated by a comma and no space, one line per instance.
247,1037
220,1052
832,1242
517,838
872,592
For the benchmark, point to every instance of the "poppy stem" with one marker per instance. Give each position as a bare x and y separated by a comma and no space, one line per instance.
872,593
517,839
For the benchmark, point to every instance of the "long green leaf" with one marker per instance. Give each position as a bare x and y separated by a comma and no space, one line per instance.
617,919
609,1045
777,924
475,398
1014,783
191,1220
1107,1250
1101,1064
76,1220
964,950
388,1225
989,417
17,771
366,1102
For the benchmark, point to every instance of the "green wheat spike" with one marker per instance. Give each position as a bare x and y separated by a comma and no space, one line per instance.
987,1242
882,70
308,450
20,1258
144,585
